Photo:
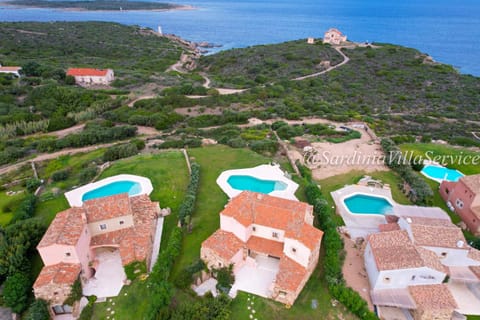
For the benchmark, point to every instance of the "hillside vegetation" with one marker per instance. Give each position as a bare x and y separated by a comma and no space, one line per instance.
266,63
95,5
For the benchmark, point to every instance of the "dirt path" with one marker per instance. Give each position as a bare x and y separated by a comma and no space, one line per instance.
313,75
149,96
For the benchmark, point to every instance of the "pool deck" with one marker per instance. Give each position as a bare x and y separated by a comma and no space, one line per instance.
74,197
361,225
263,172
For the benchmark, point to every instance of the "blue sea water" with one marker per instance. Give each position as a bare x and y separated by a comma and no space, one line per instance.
441,173
256,185
117,187
366,204
447,30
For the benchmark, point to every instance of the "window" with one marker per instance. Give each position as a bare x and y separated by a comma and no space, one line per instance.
294,250
459,203
219,264
254,229
282,294
447,191
413,278
68,254
103,226
443,254
274,234
122,222
386,279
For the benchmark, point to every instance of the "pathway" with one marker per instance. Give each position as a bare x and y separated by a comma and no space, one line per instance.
313,75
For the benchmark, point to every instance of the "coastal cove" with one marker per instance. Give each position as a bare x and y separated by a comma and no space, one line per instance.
447,31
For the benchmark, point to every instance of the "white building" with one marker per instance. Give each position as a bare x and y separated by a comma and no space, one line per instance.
89,76
334,36
11,70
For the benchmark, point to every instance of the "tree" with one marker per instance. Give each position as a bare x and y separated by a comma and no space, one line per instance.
32,184
38,310
32,69
15,292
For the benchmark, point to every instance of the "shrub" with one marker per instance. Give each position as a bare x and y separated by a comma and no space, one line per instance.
16,292
76,293
87,174
266,146
38,310
32,184
60,175
120,152
225,278
188,205
26,209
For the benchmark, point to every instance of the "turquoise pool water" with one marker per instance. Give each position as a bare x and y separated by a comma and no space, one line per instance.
366,204
130,187
441,173
253,184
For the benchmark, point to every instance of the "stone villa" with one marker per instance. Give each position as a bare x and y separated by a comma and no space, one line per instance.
334,36
89,76
268,238
70,246
464,197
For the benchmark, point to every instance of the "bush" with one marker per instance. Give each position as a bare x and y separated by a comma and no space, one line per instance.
32,184
225,278
87,174
266,146
120,152
60,175
26,208
38,310
188,205
87,312
76,293
16,292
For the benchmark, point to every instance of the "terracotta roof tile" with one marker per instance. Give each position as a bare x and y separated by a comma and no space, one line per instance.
86,72
14,69
65,229
394,250
476,271
290,274
224,243
431,260
438,236
474,254
261,245
256,208
107,207
472,182
61,273
433,297
393,226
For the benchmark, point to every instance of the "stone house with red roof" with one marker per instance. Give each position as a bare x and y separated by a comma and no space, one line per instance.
120,222
254,224
14,70
464,197
334,36
90,76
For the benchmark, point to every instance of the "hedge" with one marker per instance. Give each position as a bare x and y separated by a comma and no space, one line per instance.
334,254
188,205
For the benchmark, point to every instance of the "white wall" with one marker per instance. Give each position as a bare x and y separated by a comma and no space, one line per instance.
57,253
302,253
231,225
453,257
370,266
267,233
408,277
112,225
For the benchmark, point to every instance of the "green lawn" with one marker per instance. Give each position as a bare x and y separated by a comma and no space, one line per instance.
432,150
213,160
8,204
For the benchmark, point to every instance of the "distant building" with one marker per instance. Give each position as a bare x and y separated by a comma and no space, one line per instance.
334,36
11,70
271,243
89,76
464,197
69,248
310,40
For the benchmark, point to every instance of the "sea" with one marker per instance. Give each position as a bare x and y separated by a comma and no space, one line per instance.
447,30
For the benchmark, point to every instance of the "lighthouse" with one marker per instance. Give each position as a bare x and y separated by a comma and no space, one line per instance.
160,30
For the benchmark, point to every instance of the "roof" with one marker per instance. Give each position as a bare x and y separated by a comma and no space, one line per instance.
392,226
87,72
14,69
476,271
474,254
107,208
438,236
60,274
225,244
432,297
397,297
65,229
291,216
394,250
290,274
261,245
335,30
472,182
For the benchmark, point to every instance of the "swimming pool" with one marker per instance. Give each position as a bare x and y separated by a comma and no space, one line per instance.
249,183
367,204
439,173
131,187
